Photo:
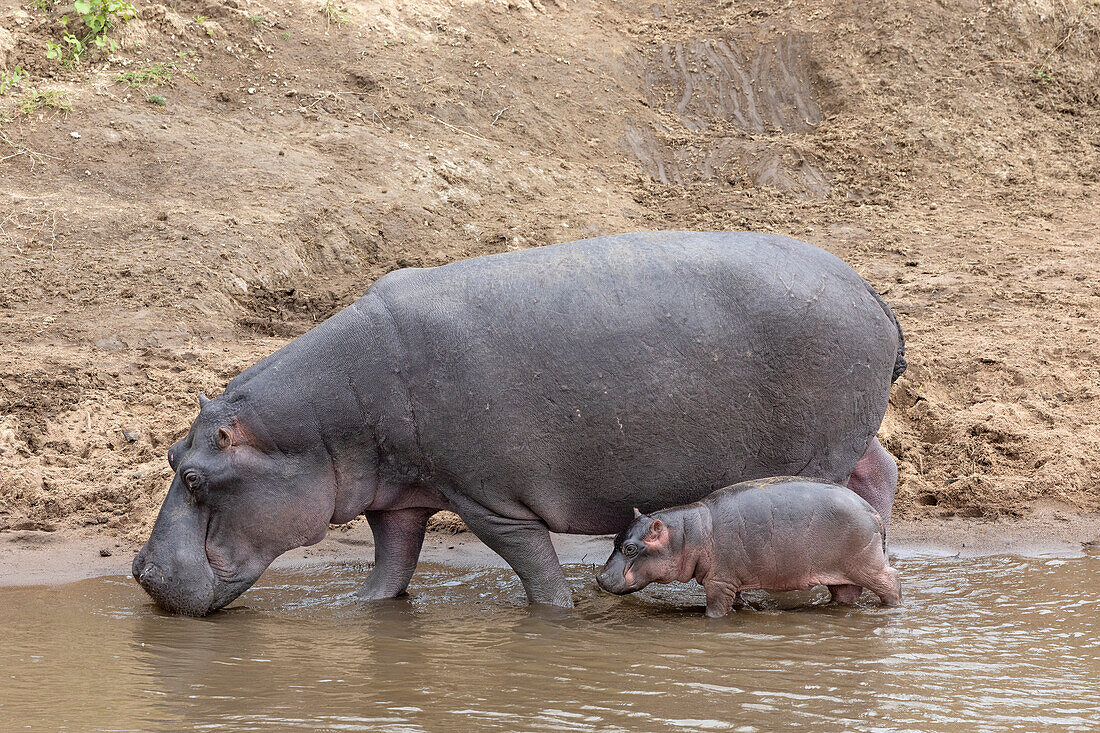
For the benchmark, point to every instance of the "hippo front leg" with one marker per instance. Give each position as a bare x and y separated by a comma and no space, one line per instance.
398,537
721,598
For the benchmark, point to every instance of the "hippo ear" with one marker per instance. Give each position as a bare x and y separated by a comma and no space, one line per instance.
656,535
203,399
637,513
224,438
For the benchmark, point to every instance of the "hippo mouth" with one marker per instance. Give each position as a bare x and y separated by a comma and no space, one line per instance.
616,582
190,593
192,590
175,567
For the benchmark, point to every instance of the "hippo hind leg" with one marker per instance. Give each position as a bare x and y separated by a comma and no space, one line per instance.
398,537
886,586
875,479
846,594
525,545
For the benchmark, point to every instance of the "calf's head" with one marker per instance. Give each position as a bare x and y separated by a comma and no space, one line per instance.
641,556
240,497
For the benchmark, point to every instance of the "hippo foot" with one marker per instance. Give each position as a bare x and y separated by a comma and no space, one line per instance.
366,593
721,599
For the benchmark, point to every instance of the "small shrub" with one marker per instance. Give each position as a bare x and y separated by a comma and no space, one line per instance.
335,12
1043,76
157,100
154,74
99,17
35,100
7,81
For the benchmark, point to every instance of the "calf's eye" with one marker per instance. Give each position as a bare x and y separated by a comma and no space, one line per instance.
630,550
190,479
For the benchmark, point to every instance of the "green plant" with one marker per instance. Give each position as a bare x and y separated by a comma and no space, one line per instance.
35,100
99,16
335,12
7,81
256,19
284,36
155,74
157,100
201,19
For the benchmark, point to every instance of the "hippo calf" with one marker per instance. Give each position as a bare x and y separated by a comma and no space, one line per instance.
537,391
775,534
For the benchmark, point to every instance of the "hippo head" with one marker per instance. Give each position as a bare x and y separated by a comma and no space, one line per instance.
242,494
641,556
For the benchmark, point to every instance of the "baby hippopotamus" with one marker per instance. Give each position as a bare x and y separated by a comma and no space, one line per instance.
776,534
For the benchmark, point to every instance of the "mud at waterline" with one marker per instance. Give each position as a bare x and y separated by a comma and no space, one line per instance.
989,643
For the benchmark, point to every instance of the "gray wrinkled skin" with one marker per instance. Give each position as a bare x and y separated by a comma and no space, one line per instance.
779,534
547,389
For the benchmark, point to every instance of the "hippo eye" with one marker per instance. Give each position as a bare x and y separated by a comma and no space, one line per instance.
630,550
191,480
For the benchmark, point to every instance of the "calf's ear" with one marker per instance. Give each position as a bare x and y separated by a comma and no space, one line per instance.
656,537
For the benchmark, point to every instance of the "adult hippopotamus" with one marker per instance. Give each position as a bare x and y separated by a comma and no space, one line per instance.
551,389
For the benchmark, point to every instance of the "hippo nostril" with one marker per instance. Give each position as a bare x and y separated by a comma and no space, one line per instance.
147,573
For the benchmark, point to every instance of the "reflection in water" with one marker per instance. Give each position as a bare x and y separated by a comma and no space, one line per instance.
983,644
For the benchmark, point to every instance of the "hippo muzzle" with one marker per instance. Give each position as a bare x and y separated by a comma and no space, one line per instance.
613,577
173,568
178,585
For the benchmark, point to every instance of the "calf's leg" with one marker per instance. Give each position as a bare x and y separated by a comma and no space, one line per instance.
886,586
846,594
721,598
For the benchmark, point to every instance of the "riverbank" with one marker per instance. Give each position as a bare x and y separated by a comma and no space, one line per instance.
239,170
64,556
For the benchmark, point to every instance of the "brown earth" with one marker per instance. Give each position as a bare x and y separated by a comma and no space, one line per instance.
950,154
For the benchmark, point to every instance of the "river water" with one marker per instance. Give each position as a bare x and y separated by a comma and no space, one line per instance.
983,644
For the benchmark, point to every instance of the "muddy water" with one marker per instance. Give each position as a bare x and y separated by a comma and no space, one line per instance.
996,643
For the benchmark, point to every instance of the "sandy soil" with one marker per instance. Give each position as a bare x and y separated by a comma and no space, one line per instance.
950,154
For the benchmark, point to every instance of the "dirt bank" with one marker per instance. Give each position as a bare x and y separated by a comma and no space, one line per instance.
153,249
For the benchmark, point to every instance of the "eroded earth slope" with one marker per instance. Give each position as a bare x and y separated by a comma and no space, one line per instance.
294,151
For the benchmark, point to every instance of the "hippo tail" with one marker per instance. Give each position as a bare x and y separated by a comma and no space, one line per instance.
899,361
